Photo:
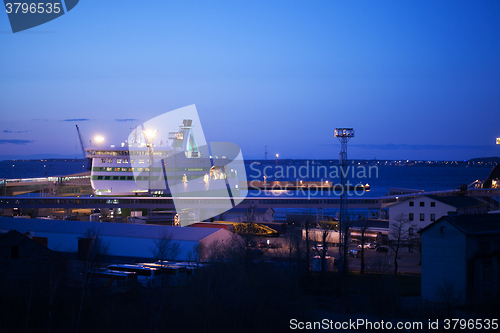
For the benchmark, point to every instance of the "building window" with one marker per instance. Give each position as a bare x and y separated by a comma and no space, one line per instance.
410,231
433,217
410,217
412,204
433,204
422,204
422,217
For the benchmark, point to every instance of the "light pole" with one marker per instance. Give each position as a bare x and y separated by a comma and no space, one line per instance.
150,135
99,139
277,155
344,135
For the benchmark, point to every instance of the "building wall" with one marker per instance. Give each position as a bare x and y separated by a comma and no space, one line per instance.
30,260
484,270
439,210
443,260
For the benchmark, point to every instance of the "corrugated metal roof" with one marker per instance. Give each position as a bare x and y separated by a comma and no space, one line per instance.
106,228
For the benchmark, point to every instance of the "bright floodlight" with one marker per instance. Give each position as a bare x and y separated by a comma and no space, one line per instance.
150,134
277,155
498,141
343,133
99,139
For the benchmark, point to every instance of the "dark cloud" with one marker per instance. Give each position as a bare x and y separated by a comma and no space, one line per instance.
126,119
15,142
12,132
81,119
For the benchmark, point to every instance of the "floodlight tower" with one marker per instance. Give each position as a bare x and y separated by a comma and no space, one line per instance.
344,135
150,136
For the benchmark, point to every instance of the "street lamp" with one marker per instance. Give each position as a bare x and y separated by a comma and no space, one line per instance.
150,135
277,155
99,139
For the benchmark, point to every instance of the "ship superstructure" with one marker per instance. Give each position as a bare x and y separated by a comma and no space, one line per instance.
141,167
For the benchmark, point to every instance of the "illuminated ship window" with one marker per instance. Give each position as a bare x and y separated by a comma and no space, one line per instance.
103,160
141,161
125,160
110,160
119,160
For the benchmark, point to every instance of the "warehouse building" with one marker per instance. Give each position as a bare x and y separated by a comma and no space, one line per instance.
123,239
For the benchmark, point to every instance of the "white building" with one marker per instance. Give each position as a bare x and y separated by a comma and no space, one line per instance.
125,240
423,210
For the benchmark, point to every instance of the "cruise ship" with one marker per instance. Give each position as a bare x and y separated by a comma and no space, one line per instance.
174,167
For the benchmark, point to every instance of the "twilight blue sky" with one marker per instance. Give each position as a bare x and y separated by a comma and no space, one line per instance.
415,79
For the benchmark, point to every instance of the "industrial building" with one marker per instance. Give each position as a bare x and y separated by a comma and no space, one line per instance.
124,240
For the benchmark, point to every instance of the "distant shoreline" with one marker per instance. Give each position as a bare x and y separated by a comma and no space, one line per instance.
475,162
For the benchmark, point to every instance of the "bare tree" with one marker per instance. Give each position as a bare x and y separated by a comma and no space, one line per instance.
322,250
399,232
363,228
95,252
449,295
166,248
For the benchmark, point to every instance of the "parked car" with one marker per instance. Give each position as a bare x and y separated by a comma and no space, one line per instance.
367,246
383,249
354,253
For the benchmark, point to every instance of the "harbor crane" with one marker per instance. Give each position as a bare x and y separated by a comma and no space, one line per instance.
89,164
